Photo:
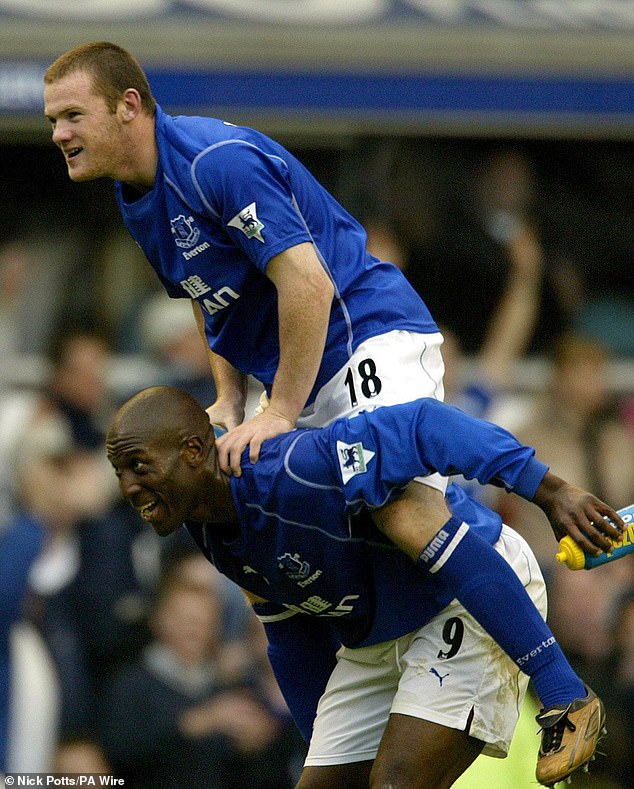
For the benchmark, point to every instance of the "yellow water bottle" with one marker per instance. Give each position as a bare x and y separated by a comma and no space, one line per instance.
577,559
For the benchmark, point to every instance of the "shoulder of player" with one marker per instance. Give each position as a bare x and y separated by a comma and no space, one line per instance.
303,456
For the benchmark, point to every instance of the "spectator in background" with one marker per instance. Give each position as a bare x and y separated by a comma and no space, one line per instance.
510,327
119,563
242,655
171,719
33,275
619,667
169,334
89,587
39,548
17,408
289,750
508,332
465,270
74,384
80,754
107,602
78,383
183,561
124,284
384,243
13,275
607,313
577,427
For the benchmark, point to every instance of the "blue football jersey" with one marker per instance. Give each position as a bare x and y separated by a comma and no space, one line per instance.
225,201
306,541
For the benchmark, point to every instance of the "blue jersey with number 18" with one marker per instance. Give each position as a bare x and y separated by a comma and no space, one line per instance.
227,199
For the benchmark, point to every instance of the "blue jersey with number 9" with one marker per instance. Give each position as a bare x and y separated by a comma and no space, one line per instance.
306,541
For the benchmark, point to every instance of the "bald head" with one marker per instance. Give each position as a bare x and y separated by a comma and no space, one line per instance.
163,412
161,446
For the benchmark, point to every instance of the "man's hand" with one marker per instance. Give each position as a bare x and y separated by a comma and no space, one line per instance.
576,512
236,714
225,414
253,432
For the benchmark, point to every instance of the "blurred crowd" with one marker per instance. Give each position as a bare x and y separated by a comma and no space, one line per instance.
122,652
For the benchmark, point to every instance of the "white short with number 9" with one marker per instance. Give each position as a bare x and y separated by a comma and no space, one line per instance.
449,672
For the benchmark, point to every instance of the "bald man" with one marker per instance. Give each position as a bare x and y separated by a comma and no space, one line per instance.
362,614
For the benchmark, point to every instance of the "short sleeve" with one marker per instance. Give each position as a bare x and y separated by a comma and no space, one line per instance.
249,192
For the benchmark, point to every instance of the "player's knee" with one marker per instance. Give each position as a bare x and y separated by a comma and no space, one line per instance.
407,776
396,774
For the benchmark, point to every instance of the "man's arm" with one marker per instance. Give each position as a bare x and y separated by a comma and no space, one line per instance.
231,384
490,454
513,321
305,294
427,435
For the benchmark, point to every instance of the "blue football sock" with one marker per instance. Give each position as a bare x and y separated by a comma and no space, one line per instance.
491,592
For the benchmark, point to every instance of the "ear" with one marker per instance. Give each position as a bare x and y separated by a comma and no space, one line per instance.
130,105
193,451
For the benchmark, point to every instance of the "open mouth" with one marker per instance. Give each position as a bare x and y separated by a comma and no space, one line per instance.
73,152
147,510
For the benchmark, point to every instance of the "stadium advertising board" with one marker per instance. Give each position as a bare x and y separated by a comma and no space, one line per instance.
499,66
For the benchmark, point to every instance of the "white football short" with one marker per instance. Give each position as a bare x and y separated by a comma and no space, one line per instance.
449,672
388,369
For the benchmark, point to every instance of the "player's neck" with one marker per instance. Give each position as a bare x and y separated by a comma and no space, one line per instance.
217,502
139,174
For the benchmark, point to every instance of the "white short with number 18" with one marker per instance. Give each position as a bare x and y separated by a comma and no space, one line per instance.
391,368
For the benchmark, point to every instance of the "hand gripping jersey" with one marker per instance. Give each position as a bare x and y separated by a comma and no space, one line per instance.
306,542
225,201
